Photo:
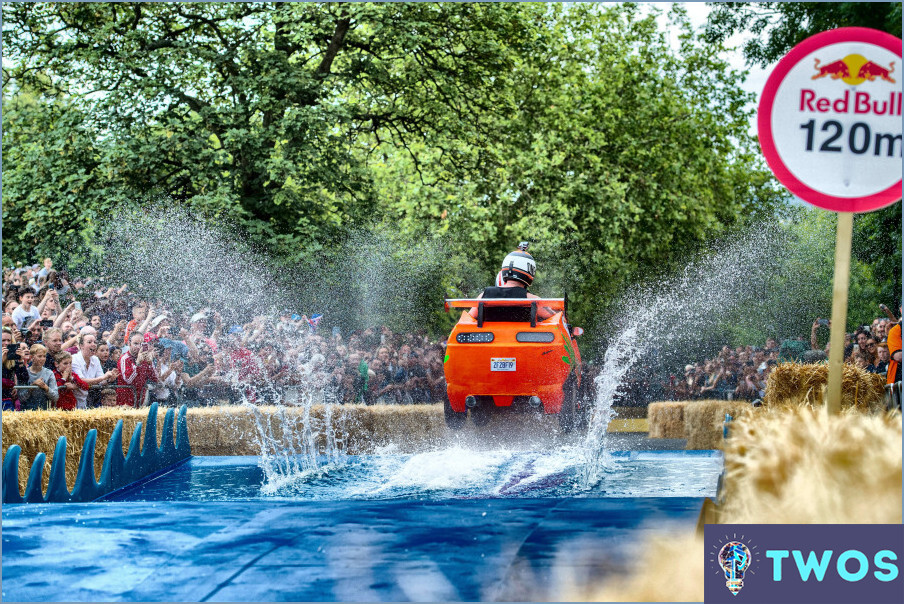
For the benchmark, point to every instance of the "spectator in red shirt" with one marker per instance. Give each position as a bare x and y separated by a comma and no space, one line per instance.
135,369
67,381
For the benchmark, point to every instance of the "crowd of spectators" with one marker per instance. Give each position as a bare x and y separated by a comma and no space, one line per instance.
742,372
70,344
735,373
77,346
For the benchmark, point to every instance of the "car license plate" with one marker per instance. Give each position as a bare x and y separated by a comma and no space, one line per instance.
502,364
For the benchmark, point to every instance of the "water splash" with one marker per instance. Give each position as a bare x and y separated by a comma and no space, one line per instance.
296,446
620,358
165,252
759,281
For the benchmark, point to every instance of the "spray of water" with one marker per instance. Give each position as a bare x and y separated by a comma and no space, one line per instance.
620,358
166,253
759,281
296,447
754,281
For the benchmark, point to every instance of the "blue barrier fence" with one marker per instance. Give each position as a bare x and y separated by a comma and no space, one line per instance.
118,471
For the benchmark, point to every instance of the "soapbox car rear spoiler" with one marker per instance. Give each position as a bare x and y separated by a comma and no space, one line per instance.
556,304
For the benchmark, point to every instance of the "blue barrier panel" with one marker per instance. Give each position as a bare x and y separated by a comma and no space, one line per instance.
33,493
11,475
116,472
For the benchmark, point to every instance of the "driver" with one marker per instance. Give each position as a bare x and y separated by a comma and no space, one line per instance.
518,270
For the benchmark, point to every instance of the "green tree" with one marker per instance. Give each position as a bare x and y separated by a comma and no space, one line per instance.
778,26
262,112
877,245
461,128
54,189
616,155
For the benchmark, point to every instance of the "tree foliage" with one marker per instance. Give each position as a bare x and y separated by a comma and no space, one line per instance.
876,246
255,111
778,26
617,154
460,128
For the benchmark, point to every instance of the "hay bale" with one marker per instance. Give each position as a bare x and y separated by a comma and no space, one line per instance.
801,465
666,419
226,430
630,412
796,385
704,420
663,568
38,431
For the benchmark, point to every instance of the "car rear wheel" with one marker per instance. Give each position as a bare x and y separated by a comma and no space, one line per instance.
568,416
454,419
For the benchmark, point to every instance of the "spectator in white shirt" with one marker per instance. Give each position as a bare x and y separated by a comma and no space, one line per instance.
87,366
26,312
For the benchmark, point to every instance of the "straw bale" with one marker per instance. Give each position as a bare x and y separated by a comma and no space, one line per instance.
704,420
663,568
795,385
666,419
241,430
38,431
801,465
630,412
225,430
783,465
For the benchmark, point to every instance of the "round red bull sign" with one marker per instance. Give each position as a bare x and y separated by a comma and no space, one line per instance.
829,120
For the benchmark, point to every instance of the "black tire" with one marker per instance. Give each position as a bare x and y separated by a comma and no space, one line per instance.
481,414
568,416
454,420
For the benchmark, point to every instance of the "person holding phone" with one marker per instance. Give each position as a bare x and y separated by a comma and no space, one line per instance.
14,371
136,369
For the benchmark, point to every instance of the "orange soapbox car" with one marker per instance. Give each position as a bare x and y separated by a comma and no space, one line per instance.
507,359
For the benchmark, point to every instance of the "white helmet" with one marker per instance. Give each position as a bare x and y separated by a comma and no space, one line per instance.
520,266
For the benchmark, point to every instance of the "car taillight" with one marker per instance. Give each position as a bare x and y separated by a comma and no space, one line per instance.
535,336
474,337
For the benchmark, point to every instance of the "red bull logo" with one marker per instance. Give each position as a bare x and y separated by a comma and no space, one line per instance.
854,69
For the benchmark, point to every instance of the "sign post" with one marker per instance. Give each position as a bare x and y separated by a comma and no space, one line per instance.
839,309
829,125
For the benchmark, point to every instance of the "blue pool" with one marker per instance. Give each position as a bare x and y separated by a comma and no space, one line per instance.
438,475
439,525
